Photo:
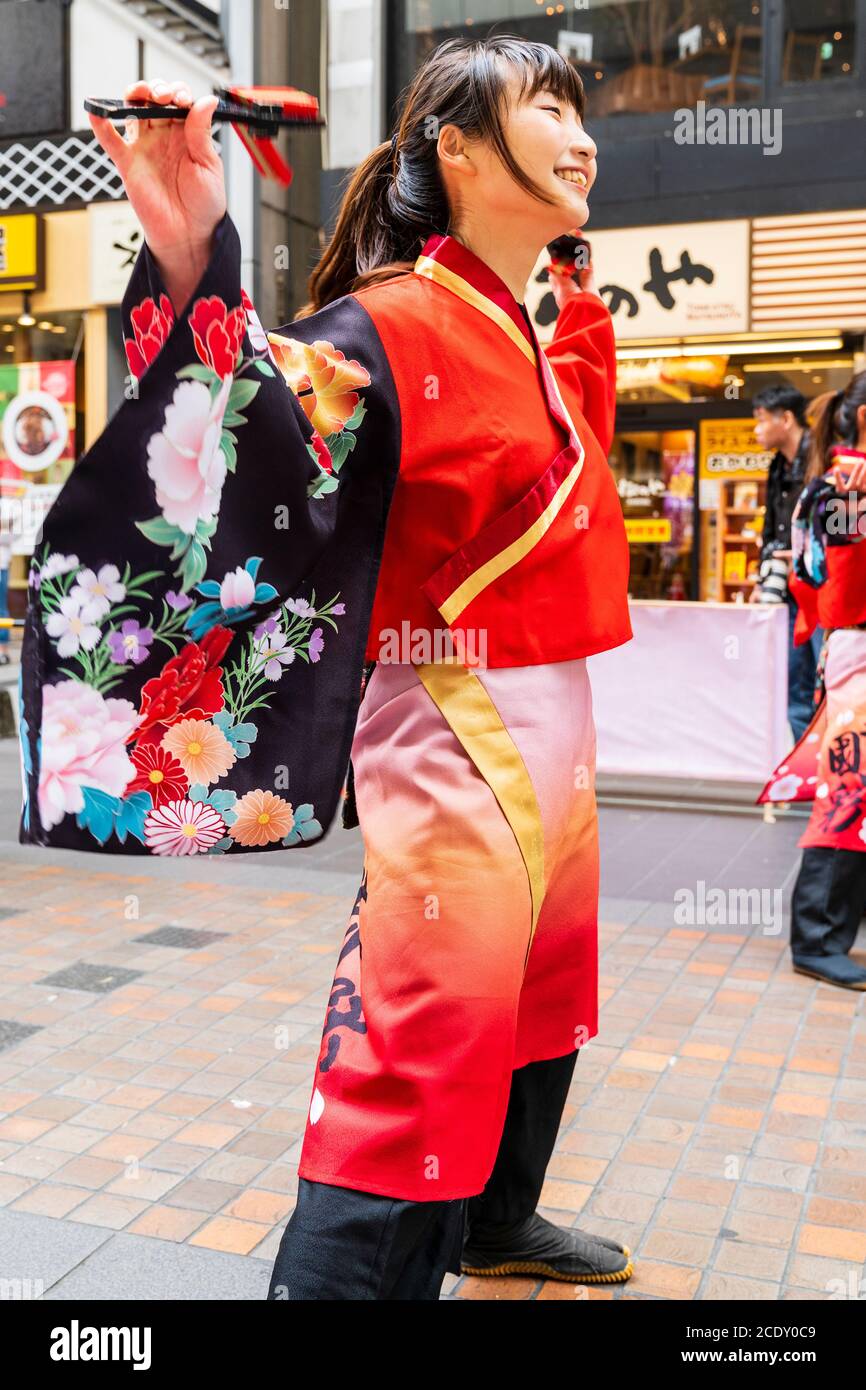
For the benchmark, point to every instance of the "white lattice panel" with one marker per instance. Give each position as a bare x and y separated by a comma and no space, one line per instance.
68,169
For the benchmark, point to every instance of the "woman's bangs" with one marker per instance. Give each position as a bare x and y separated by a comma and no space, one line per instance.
541,69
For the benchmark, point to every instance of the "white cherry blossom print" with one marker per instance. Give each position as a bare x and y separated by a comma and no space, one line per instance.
786,788
58,564
97,592
71,629
272,650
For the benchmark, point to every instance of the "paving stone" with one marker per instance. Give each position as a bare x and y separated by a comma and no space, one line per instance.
183,938
12,1032
96,979
42,1250
135,1267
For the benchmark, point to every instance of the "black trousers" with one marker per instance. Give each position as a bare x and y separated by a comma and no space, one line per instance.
343,1244
828,902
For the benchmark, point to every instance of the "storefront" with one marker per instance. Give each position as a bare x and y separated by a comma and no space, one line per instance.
62,275
706,314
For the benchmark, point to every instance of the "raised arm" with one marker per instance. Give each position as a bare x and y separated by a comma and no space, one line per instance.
583,352
200,596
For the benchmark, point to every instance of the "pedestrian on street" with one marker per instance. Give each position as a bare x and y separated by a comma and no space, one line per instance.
780,424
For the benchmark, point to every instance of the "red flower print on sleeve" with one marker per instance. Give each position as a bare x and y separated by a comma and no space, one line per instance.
189,686
218,333
151,325
323,453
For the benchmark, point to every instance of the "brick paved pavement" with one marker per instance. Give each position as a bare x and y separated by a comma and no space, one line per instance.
153,1088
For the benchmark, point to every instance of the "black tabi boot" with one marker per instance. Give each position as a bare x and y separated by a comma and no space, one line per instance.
536,1246
826,909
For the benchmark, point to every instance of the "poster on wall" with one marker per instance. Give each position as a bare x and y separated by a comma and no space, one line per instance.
37,443
115,241
728,449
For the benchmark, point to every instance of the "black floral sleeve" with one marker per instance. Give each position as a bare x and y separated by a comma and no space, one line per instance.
199,600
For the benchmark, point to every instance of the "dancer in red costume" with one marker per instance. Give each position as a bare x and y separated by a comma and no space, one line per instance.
829,536
455,530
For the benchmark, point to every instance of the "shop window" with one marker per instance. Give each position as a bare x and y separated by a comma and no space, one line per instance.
41,380
638,56
655,476
819,40
33,68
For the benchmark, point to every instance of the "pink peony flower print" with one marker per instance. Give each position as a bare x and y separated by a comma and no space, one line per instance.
217,333
84,739
185,460
183,827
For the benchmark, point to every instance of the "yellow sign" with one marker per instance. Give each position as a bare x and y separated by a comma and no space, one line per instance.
652,531
729,449
21,252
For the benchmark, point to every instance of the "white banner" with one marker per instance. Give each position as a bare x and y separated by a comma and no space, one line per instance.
700,692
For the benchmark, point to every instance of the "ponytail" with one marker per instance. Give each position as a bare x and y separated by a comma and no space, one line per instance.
836,422
397,198
822,413
378,233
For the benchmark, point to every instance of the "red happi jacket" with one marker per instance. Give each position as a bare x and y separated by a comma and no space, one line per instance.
263,508
840,600
491,501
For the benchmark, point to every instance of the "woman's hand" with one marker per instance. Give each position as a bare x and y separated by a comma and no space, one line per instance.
174,180
849,477
564,288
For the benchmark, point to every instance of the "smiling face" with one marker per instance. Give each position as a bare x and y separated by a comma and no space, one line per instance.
547,140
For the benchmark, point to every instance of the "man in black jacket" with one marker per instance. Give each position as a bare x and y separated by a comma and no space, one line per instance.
780,424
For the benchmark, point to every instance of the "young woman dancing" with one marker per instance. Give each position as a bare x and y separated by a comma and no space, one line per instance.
429,505
829,584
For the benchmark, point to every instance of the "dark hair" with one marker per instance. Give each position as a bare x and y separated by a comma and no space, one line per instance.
396,197
782,397
835,423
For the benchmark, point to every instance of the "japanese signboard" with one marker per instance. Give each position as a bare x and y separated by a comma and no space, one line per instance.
688,279
729,449
115,240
